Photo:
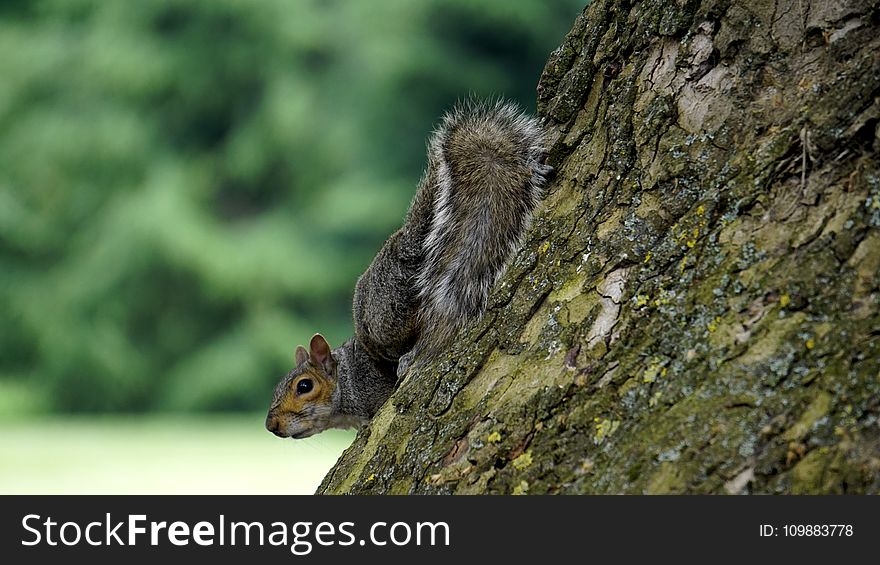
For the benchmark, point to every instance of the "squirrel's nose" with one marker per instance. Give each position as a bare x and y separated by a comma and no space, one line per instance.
273,425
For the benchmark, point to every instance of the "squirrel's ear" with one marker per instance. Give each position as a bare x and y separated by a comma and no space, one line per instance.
301,355
320,353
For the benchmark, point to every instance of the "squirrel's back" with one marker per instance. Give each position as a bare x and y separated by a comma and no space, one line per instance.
485,162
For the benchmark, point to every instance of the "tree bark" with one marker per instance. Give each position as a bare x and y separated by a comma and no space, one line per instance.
696,307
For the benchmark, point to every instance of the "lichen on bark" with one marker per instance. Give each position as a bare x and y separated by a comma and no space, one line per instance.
696,306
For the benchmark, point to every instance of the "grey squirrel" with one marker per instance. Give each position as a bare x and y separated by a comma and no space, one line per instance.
483,180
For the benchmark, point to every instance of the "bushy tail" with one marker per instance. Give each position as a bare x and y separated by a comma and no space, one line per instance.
487,160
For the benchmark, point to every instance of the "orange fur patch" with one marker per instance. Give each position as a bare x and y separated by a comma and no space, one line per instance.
322,391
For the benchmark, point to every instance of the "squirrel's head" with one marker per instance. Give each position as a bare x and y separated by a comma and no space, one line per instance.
303,404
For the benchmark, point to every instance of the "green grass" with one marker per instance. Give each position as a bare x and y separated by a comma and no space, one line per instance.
161,455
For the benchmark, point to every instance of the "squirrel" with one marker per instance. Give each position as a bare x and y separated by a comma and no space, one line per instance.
483,181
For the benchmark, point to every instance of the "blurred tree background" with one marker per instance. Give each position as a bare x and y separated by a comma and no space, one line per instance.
189,188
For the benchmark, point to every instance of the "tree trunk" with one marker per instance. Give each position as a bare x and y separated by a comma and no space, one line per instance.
696,306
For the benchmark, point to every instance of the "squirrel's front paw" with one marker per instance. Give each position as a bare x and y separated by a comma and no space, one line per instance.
404,363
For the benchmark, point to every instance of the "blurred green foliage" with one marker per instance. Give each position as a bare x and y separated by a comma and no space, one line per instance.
188,189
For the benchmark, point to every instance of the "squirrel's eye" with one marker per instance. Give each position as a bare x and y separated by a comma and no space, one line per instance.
304,386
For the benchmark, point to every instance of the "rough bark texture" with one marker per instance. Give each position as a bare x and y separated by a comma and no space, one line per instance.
696,307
